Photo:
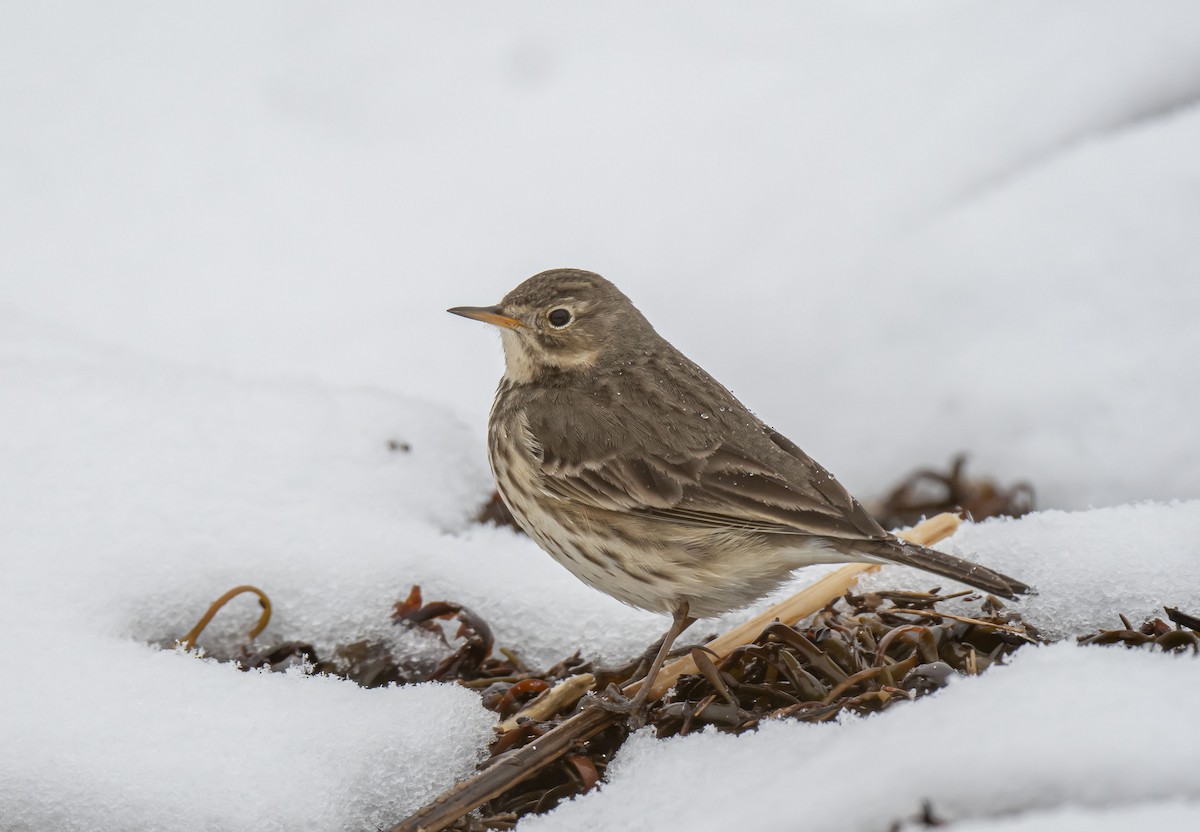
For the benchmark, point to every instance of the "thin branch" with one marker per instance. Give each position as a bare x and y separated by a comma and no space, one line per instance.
567,692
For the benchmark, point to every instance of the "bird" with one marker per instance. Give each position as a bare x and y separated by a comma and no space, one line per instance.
648,480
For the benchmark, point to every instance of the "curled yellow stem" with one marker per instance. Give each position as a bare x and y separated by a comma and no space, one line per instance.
190,639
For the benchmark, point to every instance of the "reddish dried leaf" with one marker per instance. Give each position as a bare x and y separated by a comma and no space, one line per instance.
586,770
403,609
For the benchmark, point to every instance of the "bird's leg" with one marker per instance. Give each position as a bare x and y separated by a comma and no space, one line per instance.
680,622
635,708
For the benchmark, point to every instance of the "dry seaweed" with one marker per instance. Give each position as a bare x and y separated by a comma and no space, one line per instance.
862,654
495,512
927,492
371,664
926,817
1154,633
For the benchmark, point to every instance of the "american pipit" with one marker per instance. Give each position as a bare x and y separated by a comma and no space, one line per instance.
637,471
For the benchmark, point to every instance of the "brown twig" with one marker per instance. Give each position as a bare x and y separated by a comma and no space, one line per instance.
565,693
1183,619
498,778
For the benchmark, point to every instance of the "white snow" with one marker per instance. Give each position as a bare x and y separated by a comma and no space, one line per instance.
897,232
114,735
1156,814
1110,727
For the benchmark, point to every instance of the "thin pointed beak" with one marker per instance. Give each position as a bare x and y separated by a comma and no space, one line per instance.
487,314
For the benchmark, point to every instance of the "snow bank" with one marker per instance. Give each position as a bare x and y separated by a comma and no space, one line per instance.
107,734
1169,814
1062,730
134,494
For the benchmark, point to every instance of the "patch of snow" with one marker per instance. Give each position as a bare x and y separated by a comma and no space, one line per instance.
1168,814
1104,736
101,733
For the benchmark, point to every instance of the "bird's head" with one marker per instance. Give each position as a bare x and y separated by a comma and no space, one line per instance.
561,320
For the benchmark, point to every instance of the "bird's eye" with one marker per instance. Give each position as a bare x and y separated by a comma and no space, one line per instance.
559,318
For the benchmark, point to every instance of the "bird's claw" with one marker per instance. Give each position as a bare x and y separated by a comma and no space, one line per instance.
635,709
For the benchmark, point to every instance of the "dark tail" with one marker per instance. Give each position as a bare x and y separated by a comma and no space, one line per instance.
939,563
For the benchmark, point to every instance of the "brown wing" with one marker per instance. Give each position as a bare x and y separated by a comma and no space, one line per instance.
776,490
668,442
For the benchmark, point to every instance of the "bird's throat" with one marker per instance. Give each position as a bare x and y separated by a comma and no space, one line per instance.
520,366
527,362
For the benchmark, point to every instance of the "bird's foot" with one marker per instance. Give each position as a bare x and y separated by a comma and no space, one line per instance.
635,709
